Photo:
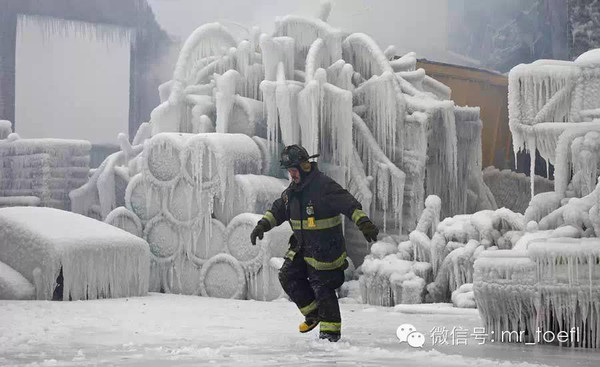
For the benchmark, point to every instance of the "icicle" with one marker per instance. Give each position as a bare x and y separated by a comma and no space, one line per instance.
532,155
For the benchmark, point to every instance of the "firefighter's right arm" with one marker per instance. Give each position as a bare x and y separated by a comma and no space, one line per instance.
271,219
276,215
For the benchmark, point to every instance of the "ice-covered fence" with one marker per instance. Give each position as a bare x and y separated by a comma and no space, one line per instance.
96,260
511,189
47,169
551,285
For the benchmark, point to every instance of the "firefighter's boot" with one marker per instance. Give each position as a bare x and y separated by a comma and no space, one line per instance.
310,322
332,337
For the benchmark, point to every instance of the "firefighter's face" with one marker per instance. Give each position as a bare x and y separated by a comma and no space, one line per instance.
294,174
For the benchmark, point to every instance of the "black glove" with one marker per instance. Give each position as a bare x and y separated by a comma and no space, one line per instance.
261,227
369,230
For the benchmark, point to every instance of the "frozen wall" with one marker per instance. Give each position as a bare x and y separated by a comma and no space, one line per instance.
72,79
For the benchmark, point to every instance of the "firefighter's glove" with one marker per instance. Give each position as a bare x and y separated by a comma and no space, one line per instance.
261,227
369,230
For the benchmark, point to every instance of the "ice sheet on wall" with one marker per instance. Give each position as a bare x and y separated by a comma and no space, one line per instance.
72,79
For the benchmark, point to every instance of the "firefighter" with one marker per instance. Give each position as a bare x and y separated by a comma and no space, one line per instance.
315,262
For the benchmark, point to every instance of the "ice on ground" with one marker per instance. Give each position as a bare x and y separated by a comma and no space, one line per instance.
170,330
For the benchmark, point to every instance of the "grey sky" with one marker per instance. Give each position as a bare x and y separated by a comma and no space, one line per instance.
411,25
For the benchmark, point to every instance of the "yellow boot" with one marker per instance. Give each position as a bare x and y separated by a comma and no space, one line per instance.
308,325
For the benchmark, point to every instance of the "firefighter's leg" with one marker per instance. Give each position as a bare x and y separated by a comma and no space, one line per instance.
324,283
293,277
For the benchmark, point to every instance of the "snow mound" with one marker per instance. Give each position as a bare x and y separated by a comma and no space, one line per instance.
5,129
464,297
589,57
13,285
96,260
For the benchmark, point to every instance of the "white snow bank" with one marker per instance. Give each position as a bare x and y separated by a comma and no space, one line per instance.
589,57
434,309
464,297
97,260
5,129
13,285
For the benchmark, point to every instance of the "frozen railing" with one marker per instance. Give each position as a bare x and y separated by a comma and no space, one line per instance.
546,97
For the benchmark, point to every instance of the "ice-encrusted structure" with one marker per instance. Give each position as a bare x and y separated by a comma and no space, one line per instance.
551,103
387,279
548,286
88,258
40,172
185,195
542,275
386,131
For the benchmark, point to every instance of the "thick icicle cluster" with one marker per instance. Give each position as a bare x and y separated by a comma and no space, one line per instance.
387,279
552,286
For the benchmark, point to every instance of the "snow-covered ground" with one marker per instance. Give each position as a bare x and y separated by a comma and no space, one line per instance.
174,330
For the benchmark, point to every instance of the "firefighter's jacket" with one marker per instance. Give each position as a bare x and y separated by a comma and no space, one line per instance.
314,207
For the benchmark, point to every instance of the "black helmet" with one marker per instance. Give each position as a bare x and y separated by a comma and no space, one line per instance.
293,155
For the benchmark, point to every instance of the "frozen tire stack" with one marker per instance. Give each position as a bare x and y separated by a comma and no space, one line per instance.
184,179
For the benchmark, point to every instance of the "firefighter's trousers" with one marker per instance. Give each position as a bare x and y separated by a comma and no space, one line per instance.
313,291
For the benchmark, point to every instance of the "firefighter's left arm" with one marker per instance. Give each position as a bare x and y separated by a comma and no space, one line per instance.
340,200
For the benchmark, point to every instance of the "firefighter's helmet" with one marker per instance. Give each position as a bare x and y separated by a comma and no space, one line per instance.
293,156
